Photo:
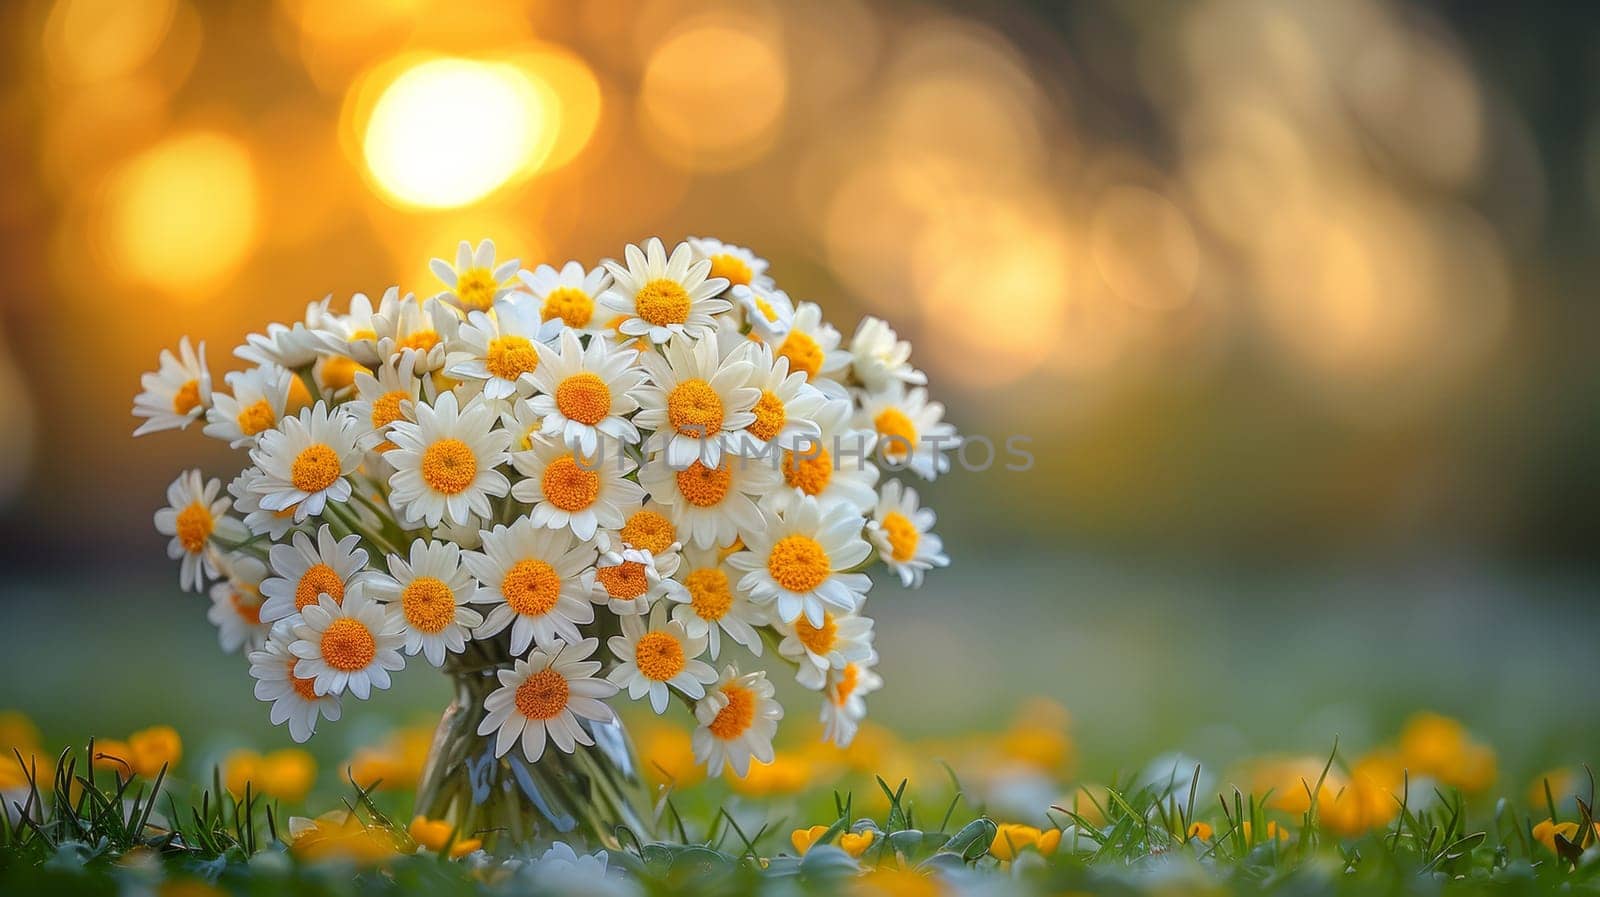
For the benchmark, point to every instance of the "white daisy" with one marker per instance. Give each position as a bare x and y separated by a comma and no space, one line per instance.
383,396
709,603
293,697
840,639
292,347
253,405
193,516
236,604
812,347
445,462
878,357
911,431
547,694
356,333
336,375
246,502
534,577
843,704
798,561
768,313
351,645
304,570
585,392
737,265
834,466
571,490
738,719
429,590
658,654
696,400
177,393
498,350
902,532
475,282
664,297
788,406
306,460
522,422
629,580
711,505
425,328
570,294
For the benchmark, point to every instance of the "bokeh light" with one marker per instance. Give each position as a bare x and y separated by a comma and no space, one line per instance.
447,132
182,215
712,95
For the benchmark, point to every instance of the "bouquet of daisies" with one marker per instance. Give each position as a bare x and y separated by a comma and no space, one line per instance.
642,478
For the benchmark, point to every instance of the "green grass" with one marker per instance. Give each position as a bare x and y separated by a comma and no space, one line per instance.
73,830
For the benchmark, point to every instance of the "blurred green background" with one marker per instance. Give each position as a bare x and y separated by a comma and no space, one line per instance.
1294,301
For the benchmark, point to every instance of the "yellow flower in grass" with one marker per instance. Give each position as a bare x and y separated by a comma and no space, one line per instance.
1201,831
285,775
788,773
434,834
1545,833
143,754
340,834
667,752
890,882
1011,839
853,843
18,736
1038,737
1562,782
1275,832
397,763
1438,746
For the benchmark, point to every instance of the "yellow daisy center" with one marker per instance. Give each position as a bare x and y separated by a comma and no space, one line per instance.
421,340
819,640
386,408
730,266
897,430
365,334
255,417
846,686
648,530
766,309
625,581
449,466
584,397
315,468
569,486
570,304
543,695
248,609
339,372
428,603
319,579
810,475
803,353
710,593
299,395
348,645
736,716
705,487
798,563
511,356
662,301
187,398
476,287
770,416
902,535
306,688
531,587
659,656
694,408
194,527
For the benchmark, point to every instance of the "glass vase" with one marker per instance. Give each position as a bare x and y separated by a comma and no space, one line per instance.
584,798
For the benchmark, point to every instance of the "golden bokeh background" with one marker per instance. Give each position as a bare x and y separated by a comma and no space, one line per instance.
1269,284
